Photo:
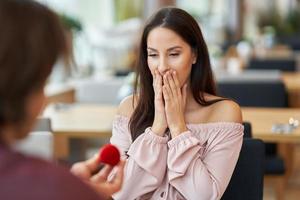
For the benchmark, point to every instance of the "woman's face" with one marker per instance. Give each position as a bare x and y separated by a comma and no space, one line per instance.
168,51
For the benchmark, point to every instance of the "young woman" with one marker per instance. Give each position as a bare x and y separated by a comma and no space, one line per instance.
181,141
31,40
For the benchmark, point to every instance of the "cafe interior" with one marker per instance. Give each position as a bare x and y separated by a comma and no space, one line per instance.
254,49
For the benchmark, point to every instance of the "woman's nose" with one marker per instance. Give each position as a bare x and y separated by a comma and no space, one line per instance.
163,66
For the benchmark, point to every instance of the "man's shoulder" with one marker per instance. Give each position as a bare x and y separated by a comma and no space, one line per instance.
26,177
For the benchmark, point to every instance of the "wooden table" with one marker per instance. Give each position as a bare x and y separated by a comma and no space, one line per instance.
292,83
78,121
59,93
291,80
95,121
262,120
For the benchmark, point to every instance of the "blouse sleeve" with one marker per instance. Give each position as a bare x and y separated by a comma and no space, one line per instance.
146,160
203,169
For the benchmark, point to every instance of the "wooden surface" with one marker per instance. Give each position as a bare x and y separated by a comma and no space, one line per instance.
262,120
292,83
61,93
85,120
81,120
95,121
78,121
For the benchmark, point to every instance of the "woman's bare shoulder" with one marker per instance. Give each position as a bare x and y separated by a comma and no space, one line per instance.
225,111
127,106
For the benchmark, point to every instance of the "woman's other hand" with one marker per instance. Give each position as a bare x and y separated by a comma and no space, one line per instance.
175,102
159,125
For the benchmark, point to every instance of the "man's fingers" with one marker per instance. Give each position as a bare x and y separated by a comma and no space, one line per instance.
102,174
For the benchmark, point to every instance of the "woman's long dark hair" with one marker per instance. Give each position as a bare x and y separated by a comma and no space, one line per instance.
201,77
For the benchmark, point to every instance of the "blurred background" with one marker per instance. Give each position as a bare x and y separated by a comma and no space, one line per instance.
254,48
104,33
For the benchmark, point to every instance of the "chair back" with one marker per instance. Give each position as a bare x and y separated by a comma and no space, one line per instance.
255,93
247,130
247,179
288,65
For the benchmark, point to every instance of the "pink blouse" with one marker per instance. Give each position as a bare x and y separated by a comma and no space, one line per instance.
195,165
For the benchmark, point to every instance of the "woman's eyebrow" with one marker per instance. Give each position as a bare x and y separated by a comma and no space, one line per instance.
150,48
169,49
173,48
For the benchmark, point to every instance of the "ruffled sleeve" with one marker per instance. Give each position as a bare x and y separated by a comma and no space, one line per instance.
146,160
200,162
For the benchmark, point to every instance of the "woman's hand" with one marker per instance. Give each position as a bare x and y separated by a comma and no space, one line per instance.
159,125
85,170
175,102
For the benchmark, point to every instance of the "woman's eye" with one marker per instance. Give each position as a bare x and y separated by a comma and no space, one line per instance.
152,55
174,54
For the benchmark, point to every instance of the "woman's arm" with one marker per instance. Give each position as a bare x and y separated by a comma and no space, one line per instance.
203,170
199,167
146,159
145,166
